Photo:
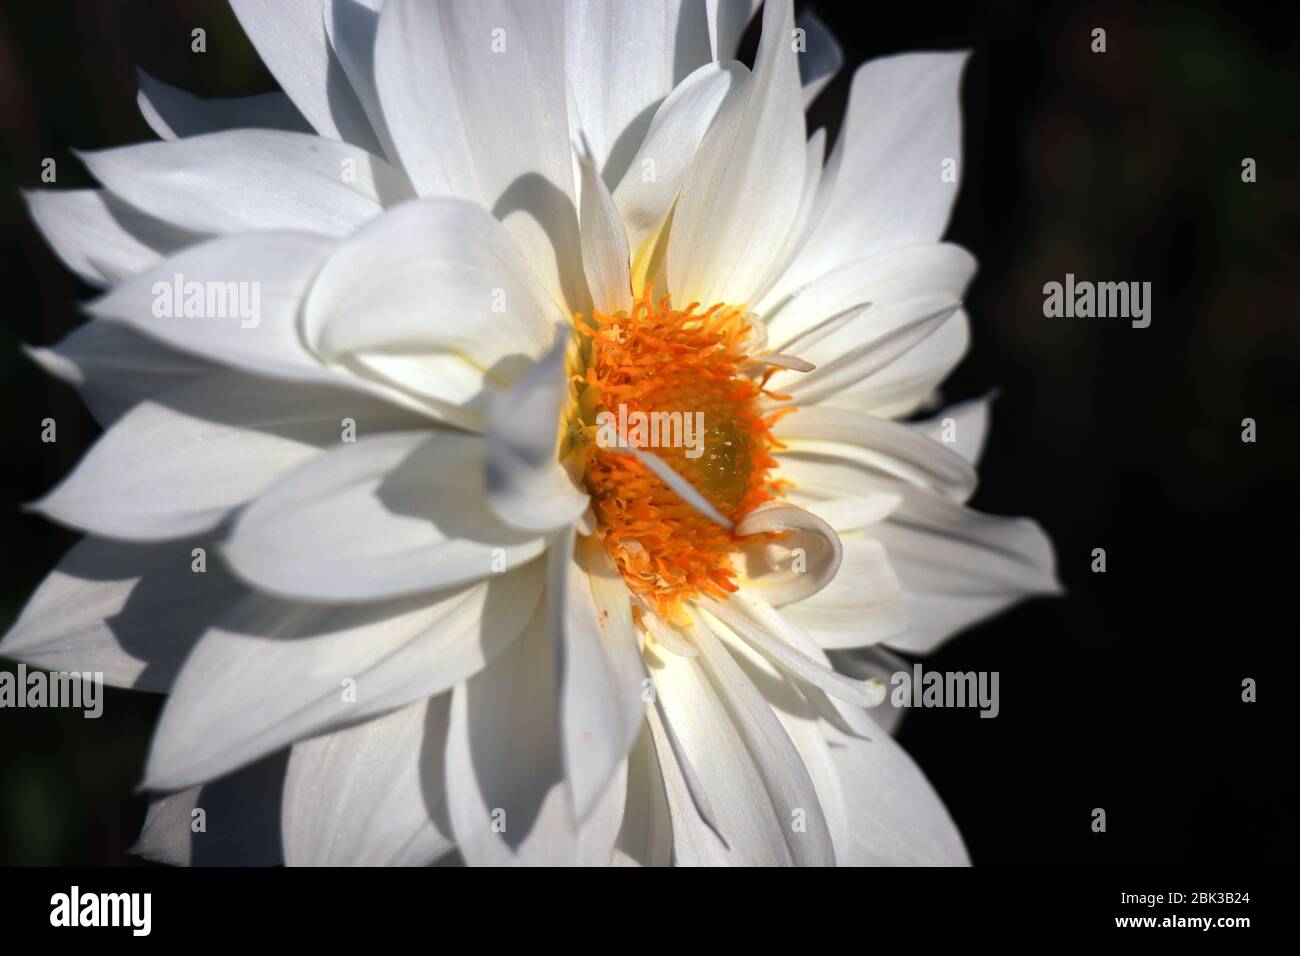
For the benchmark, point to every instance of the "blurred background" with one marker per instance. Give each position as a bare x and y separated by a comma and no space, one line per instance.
1126,165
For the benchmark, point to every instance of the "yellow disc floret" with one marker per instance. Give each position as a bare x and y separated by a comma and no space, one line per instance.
677,363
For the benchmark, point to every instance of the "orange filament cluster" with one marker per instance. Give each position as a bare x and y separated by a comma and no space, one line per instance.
659,359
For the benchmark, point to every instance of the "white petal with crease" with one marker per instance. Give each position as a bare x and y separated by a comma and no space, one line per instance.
655,175
390,515
475,99
101,238
737,206
506,793
291,40
174,114
203,448
273,672
598,666
371,794
437,285
284,180
132,612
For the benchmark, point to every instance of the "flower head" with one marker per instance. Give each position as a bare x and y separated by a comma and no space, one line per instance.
503,423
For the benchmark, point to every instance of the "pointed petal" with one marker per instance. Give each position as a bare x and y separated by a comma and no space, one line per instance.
173,114
605,256
895,817
756,830
646,837
132,612
370,794
274,672
439,283
292,181
877,446
757,624
622,59
392,514
903,124
115,368
353,30
727,20
527,487
598,665
969,427
475,99
179,462
959,566
654,177
101,238
239,814
737,206
291,40
506,794
822,59
274,269
779,763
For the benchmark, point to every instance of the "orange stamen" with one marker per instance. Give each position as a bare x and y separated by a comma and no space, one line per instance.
658,359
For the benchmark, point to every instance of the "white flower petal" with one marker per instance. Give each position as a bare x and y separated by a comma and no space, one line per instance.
810,203
737,206
902,125
131,612
876,445
527,487
598,664
779,763
244,295
475,100
389,515
727,20
440,285
115,368
904,384
800,721
655,175
290,38
895,818
879,356
605,257
899,285
805,560
862,605
99,237
241,819
173,113
646,837
882,664
283,180
958,566
371,794
756,830
273,672
506,791
970,425
352,27
822,58
179,462
764,629
622,59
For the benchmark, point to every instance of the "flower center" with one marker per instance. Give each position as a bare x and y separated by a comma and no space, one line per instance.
671,383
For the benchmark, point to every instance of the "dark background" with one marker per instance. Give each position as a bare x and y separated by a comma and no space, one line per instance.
1122,166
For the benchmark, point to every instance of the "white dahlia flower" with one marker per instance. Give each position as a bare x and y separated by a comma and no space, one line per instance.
376,503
